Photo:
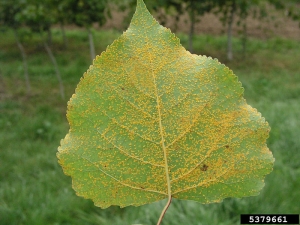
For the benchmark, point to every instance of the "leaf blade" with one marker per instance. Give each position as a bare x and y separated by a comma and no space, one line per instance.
150,120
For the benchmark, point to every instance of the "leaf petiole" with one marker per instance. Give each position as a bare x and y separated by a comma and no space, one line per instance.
164,211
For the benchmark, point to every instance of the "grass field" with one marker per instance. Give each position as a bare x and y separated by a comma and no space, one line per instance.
33,188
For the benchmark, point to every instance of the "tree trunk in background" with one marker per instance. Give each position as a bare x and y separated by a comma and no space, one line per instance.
175,28
192,27
92,46
244,37
61,86
25,65
49,37
65,42
229,31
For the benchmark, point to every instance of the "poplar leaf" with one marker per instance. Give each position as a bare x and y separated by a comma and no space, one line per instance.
150,120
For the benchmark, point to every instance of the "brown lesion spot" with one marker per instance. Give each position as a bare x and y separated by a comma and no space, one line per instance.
204,167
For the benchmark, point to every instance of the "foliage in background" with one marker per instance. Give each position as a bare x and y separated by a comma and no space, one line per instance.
194,8
230,12
10,18
291,8
40,16
237,11
85,13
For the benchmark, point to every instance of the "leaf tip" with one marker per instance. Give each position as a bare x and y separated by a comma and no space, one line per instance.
142,17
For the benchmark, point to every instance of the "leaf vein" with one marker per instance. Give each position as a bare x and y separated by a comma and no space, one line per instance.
133,105
125,152
117,180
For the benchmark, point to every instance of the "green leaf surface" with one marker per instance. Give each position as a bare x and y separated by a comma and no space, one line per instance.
151,120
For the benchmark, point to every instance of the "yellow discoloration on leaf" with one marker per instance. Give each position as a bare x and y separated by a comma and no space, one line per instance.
151,120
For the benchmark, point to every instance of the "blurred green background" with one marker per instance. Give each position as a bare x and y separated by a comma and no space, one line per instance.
46,46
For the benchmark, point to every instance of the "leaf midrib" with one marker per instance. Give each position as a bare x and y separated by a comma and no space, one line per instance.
158,105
